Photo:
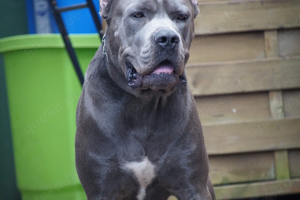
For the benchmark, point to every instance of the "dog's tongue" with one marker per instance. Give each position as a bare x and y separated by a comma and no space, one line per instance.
164,68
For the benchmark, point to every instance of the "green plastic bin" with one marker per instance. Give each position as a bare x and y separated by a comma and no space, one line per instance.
43,92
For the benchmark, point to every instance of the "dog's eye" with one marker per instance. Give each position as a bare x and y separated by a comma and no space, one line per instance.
182,17
138,15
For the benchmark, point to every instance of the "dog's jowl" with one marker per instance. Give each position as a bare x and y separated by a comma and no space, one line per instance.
139,136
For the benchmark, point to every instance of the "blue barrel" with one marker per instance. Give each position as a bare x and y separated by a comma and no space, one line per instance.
40,19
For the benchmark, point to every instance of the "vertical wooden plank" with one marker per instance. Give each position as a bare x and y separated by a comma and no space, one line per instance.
276,107
282,165
275,97
281,157
271,44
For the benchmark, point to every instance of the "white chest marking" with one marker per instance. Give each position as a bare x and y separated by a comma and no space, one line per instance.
144,172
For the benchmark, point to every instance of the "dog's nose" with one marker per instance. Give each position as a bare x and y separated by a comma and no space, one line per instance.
166,38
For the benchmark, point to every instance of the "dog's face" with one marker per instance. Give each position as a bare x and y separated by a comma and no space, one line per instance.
149,40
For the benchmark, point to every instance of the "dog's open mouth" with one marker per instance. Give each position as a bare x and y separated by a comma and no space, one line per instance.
165,67
162,77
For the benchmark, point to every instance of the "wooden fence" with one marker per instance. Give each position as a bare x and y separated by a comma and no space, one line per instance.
244,71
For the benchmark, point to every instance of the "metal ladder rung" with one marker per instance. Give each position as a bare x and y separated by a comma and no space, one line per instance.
73,7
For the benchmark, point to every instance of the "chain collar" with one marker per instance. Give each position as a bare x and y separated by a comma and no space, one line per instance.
104,51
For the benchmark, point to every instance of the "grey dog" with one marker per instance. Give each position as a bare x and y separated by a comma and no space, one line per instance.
139,136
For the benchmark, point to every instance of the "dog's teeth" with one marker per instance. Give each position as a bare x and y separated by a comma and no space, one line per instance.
163,73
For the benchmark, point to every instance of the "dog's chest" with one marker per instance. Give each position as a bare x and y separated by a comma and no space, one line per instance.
144,172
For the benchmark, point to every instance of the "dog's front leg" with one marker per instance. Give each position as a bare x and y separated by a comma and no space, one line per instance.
192,189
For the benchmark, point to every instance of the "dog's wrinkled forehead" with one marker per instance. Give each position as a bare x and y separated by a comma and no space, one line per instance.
105,7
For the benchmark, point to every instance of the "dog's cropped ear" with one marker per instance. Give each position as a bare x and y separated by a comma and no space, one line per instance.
104,8
196,8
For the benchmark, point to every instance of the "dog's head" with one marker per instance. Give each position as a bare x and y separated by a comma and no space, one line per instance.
148,41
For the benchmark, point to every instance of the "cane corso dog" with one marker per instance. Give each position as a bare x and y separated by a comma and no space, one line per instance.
139,136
